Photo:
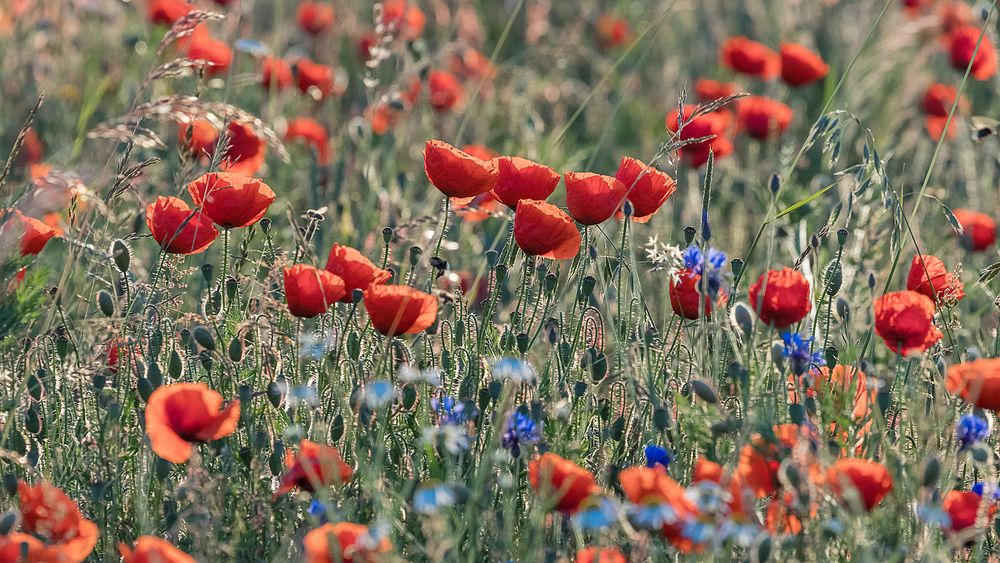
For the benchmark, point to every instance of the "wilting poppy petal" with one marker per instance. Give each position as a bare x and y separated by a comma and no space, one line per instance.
177,228
399,309
182,413
542,229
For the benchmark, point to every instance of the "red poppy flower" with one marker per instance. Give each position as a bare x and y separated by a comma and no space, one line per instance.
685,299
903,320
445,90
31,233
275,72
310,291
749,57
928,275
963,509
646,188
404,18
593,198
150,549
868,479
313,133
357,271
961,46
977,382
245,152
785,299
848,387
482,152
780,519
479,209
116,350
177,228
201,46
182,413
382,117
352,543
714,124
231,200
197,138
561,484
761,117
980,229
711,90
600,555
939,99
649,486
800,66
313,467
315,17
32,149
472,64
542,229
52,526
316,79
757,468
399,309
166,12
457,173
952,15
612,31
519,178
935,127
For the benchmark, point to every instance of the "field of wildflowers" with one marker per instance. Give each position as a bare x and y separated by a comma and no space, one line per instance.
518,280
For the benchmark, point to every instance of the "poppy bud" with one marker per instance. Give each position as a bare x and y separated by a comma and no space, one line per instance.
689,233
931,472
337,428
121,254
842,236
661,419
705,391
106,303
775,183
203,337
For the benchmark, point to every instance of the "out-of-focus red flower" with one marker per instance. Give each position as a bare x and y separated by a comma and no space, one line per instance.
685,299
953,14
928,275
52,526
761,117
592,198
935,126
481,152
275,72
710,90
166,12
446,92
231,200
542,229
961,46
914,8
600,555
706,470
472,64
868,479
651,487
904,321
365,43
646,188
177,228
150,549
357,271
781,298
846,386
759,461
977,382
561,484
246,151
457,173
117,350
939,98
32,149
31,233
312,132
352,543
310,291
963,509
715,124
479,209
406,19
382,117
197,138
317,79
519,178
612,31
181,414
314,466
315,17
201,46
980,229
400,309
800,66
750,57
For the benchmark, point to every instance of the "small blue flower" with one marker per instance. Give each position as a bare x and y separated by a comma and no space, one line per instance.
598,515
430,499
800,354
450,411
980,488
521,431
317,509
970,430
655,455
714,279
515,370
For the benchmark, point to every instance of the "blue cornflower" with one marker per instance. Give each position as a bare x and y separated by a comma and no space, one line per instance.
971,429
799,352
979,488
655,455
450,411
695,260
521,431
317,509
